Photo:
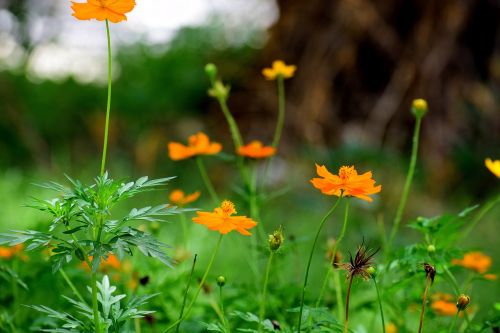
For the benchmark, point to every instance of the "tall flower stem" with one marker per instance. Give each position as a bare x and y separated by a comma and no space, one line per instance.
281,111
225,322
379,303
262,311
320,227
346,323
338,289
454,322
409,179
186,292
200,286
483,211
207,181
108,106
424,300
233,127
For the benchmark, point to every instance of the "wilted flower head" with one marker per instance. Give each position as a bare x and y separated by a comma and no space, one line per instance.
430,271
462,302
112,10
346,183
359,265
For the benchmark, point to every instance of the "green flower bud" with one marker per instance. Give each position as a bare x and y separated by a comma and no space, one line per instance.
419,107
371,270
219,90
276,240
211,71
431,248
221,281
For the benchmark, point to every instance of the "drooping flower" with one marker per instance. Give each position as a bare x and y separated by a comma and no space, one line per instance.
178,197
493,166
221,220
360,264
255,149
346,183
476,261
111,10
198,144
279,69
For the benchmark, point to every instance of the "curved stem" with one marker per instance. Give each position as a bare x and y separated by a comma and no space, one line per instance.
338,289
379,304
310,259
233,127
281,112
483,211
409,178
186,292
262,311
71,285
424,300
200,286
207,181
108,106
346,323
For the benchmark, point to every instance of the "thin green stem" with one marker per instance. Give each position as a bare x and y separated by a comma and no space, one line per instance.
71,285
200,286
233,127
184,228
379,303
424,300
186,293
225,322
207,181
108,106
452,279
15,292
95,305
409,178
281,112
320,227
454,322
483,211
346,322
262,311
137,325
338,289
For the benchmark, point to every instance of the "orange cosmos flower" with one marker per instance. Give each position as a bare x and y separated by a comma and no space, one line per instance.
493,166
221,220
256,149
9,252
198,144
177,197
444,308
279,69
391,328
111,10
346,183
475,261
111,263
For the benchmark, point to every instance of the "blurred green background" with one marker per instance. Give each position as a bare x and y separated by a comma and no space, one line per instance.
360,63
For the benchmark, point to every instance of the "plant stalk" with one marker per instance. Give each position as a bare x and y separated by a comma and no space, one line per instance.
346,323
310,259
108,106
379,304
424,300
281,111
186,292
207,181
262,311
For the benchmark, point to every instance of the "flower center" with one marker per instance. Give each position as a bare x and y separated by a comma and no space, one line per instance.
227,208
346,172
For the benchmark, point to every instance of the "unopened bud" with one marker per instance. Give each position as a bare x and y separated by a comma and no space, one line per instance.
431,248
462,302
371,270
419,107
221,281
211,71
276,240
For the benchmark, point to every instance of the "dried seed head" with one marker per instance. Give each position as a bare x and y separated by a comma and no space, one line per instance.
360,264
430,271
462,302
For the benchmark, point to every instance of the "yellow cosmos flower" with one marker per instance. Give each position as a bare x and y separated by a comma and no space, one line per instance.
493,166
279,69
